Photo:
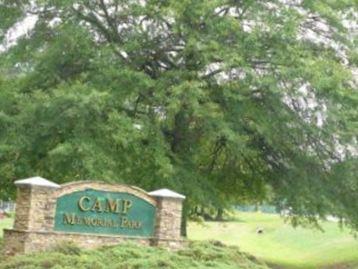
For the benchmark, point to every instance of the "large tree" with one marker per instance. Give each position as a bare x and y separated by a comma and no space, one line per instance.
222,100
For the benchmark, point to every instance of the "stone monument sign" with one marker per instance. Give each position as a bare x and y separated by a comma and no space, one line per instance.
92,214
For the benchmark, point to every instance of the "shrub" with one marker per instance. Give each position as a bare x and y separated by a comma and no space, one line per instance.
213,255
68,248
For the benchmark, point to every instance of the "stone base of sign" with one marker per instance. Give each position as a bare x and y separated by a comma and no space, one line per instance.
34,221
169,244
28,242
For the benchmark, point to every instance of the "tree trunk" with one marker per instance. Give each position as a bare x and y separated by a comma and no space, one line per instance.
184,222
219,215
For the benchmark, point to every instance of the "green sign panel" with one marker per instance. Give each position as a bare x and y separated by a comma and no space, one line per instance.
101,212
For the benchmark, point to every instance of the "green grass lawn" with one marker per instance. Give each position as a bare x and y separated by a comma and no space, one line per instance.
281,244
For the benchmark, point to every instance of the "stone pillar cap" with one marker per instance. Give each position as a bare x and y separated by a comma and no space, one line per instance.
37,181
166,193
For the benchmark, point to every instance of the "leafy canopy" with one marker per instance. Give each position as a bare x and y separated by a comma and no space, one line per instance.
223,100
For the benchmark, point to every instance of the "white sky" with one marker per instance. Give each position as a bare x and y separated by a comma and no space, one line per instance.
19,29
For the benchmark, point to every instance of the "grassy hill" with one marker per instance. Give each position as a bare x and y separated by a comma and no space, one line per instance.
282,245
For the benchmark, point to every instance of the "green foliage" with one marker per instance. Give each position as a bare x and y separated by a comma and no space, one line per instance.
197,255
203,97
67,248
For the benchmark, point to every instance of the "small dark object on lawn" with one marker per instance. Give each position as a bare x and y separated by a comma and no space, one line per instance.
217,243
260,230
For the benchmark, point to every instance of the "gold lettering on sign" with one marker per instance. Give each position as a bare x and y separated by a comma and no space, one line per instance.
87,221
97,206
132,224
117,206
127,204
113,206
82,201
124,222
69,219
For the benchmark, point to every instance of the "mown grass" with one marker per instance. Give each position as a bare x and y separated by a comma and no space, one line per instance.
282,245
200,255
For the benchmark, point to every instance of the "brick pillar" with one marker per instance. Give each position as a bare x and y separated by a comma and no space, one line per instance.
168,219
32,203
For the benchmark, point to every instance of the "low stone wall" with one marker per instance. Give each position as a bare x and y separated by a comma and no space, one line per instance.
27,242
34,226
